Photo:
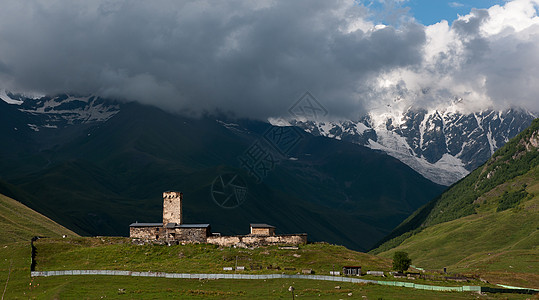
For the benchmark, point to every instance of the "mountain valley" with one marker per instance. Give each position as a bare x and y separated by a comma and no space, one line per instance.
105,165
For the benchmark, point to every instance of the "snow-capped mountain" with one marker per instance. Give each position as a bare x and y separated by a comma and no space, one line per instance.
443,145
62,110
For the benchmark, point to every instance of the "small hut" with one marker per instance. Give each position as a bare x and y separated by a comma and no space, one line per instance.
351,270
262,229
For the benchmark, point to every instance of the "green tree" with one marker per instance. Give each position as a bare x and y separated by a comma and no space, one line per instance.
401,261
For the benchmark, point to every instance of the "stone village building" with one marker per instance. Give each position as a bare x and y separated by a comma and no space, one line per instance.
173,230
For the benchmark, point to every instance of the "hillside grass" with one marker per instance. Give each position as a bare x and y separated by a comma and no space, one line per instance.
465,197
111,253
490,242
70,254
20,223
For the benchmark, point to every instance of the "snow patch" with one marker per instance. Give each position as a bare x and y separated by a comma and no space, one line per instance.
325,128
360,128
7,99
491,141
34,127
280,122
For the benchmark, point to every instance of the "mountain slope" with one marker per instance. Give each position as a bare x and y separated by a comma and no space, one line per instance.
103,175
20,223
488,222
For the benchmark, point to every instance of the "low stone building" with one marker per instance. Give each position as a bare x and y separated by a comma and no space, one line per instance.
146,231
172,230
262,229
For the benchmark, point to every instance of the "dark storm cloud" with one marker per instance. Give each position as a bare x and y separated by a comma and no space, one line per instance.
381,50
256,58
252,58
468,30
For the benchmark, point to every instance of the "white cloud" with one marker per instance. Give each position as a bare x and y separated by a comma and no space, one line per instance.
488,57
515,16
455,4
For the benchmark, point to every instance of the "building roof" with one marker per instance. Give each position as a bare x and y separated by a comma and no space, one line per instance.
169,225
176,225
255,225
137,224
192,225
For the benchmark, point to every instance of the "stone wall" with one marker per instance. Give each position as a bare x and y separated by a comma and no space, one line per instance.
191,235
146,233
253,240
225,241
172,208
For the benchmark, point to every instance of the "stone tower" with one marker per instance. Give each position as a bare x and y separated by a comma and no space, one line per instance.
172,208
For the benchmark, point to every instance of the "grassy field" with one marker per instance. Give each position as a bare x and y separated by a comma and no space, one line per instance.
20,223
161,288
113,253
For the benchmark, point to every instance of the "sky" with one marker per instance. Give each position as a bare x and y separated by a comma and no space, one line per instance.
428,12
255,59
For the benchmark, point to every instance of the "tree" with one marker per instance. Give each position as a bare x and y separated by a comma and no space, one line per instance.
401,261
